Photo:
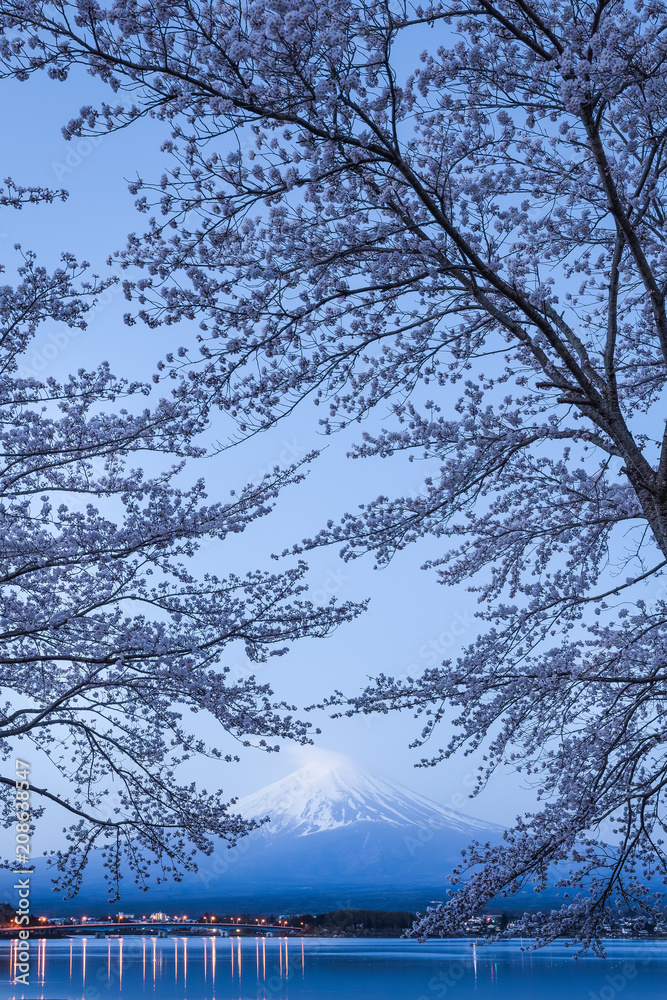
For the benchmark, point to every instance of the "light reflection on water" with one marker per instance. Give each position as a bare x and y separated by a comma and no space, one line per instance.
209,968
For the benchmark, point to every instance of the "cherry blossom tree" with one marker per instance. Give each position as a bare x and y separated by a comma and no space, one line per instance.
468,244
111,642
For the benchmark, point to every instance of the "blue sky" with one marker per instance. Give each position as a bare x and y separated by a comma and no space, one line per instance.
412,621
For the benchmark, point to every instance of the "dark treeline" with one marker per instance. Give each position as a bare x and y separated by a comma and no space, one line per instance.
358,922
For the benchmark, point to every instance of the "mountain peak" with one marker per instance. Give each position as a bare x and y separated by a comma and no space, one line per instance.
334,792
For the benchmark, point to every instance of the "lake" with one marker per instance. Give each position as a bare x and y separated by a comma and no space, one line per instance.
193,968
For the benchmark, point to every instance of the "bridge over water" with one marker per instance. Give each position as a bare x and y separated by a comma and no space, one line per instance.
149,928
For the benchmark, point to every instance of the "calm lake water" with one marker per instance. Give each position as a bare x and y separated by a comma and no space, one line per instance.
180,968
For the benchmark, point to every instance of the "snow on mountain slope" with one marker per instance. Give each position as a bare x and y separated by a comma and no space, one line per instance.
323,797
338,837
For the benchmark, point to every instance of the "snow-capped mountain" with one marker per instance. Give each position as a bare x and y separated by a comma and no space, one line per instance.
337,837
323,797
